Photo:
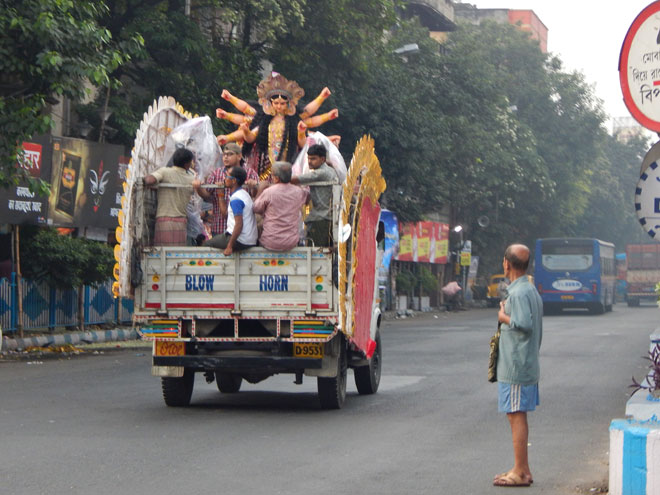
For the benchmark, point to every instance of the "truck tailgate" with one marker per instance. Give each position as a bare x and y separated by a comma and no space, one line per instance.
253,281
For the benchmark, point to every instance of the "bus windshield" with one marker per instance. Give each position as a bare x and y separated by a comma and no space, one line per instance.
567,257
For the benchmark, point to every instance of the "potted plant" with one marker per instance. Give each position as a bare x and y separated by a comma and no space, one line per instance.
651,381
428,284
405,284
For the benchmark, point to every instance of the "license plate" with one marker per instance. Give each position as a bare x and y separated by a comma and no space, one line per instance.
565,298
308,350
164,348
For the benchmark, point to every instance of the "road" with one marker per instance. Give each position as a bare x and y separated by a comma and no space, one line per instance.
96,424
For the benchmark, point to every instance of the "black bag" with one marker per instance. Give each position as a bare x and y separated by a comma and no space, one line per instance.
492,355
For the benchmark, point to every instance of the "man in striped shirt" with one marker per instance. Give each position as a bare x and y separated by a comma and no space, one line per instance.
231,157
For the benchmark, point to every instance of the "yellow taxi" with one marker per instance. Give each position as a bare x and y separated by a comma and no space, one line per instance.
493,295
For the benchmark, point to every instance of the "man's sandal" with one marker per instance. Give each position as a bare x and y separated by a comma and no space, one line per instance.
512,480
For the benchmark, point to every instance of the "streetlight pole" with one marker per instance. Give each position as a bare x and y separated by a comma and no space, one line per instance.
105,115
459,230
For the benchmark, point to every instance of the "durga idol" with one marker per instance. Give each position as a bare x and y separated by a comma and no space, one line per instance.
278,130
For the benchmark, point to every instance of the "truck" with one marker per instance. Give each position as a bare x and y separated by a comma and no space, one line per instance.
309,312
642,272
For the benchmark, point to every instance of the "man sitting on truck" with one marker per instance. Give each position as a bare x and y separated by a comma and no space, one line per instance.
231,157
241,230
280,204
319,220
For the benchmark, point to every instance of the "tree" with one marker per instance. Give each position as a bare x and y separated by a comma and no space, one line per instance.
66,262
342,45
609,214
49,50
221,44
528,138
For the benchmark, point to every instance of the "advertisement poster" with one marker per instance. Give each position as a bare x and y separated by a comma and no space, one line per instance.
424,242
407,239
391,237
86,183
441,243
424,238
19,205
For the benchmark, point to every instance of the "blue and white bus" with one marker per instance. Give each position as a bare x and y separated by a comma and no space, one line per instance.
575,273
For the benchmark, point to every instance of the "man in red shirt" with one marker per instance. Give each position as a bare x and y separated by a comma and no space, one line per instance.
231,157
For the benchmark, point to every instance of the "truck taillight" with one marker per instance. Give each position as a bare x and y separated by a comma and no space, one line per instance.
540,286
594,288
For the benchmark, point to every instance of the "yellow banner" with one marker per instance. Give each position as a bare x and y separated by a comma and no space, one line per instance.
405,245
423,247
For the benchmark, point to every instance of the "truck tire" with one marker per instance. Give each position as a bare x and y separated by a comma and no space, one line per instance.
367,378
228,383
177,391
332,391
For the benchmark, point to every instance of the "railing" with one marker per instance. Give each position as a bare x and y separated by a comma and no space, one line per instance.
47,308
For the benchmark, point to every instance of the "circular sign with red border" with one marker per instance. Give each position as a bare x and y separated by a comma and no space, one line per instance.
639,67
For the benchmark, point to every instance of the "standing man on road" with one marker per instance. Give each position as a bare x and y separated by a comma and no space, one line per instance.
518,361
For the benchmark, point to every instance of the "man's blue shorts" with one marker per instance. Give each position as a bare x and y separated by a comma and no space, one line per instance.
517,398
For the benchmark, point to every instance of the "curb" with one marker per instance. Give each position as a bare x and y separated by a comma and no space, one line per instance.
634,457
91,337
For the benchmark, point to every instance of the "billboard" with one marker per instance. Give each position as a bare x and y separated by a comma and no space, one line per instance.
20,206
86,184
424,242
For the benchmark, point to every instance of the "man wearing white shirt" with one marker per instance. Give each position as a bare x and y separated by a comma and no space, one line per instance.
241,230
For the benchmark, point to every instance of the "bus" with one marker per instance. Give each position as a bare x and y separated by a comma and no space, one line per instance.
575,273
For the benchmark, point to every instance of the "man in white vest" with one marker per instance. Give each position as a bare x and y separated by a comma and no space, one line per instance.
241,230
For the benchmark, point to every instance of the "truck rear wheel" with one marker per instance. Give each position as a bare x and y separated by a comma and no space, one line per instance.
332,391
178,391
228,383
367,378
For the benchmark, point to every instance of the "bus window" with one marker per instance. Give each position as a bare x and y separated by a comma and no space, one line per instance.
567,262
567,258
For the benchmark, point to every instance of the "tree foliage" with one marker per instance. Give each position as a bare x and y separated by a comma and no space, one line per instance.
220,44
63,261
49,50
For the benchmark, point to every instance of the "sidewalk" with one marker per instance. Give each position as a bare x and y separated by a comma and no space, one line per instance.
432,312
73,338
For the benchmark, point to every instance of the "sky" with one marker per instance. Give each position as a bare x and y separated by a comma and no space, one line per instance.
587,35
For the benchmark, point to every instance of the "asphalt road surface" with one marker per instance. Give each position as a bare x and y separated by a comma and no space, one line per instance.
97,424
